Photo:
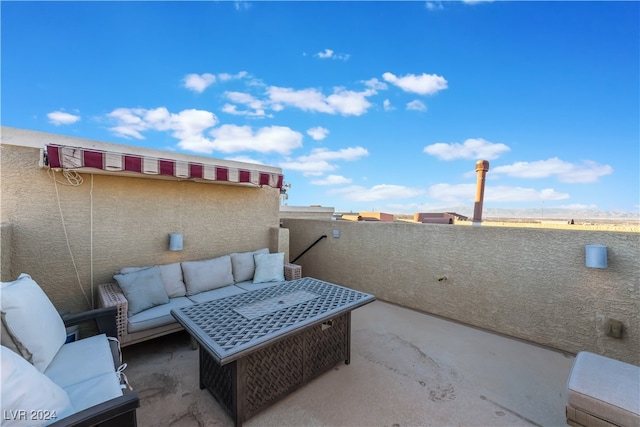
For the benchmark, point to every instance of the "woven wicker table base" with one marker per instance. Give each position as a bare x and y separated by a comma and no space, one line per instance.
253,382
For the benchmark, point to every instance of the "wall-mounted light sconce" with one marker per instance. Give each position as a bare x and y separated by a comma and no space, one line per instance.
175,241
596,256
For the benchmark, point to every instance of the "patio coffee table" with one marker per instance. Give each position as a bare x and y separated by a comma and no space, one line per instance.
257,347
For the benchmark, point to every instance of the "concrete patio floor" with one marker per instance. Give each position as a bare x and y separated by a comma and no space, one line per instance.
407,369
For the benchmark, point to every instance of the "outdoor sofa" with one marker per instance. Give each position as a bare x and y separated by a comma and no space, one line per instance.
145,296
49,381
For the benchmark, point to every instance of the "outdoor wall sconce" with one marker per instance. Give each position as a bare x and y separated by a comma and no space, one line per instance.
175,241
596,256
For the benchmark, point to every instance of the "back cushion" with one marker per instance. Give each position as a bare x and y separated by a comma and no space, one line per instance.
244,265
200,276
25,388
143,289
32,321
171,278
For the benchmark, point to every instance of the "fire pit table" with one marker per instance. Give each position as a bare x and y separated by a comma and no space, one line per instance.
259,346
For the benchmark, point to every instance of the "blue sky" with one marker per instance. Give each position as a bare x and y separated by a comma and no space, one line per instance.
381,106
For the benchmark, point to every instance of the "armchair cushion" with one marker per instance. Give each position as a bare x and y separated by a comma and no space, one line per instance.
32,321
25,388
143,289
80,360
200,276
269,268
244,265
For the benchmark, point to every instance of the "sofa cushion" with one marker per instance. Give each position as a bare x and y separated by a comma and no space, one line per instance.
24,388
200,276
93,391
171,278
244,266
250,286
156,316
143,289
606,388
269,268
32,321
81,360
226,291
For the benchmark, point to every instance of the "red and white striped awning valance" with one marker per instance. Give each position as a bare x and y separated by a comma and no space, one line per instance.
76,158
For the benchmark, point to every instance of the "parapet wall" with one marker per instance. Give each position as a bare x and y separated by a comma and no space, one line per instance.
527,283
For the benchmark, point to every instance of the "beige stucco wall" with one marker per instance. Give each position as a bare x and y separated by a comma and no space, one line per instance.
113,222
527,283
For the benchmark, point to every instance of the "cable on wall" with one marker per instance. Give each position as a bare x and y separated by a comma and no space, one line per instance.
73,179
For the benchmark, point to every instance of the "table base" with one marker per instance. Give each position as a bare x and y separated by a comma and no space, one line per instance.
247,385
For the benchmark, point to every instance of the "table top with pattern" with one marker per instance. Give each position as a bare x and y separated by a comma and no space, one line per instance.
233,326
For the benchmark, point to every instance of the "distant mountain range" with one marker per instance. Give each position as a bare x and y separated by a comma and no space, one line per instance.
546,213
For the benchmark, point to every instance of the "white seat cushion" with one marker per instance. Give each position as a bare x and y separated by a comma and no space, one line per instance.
81,360
156,316
214,294
25,389
94,391
606,388
32,320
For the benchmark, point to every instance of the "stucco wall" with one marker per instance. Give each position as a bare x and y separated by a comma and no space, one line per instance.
527,283
113,222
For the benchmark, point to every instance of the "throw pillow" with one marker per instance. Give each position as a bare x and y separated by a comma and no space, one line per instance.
244,266
200,276
26,389
143,289
32,321
269,268
171,277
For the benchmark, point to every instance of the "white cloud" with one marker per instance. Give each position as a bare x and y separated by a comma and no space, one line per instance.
586,172
318,133
223,77
375,85
345,102
61,118
357,193
232,138
308,167
348,102
241,5
332,180
330,54
434,5
317,162
465,193
470,149
387,105
199,82
256,106
348,154
578,206
424,84
244,159
416,105
187,126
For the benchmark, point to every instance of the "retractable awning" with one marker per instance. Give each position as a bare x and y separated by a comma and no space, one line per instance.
209,170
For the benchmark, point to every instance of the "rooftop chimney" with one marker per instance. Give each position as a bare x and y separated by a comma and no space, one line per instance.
482,167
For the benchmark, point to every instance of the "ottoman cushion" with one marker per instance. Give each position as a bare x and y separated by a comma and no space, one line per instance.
606,388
